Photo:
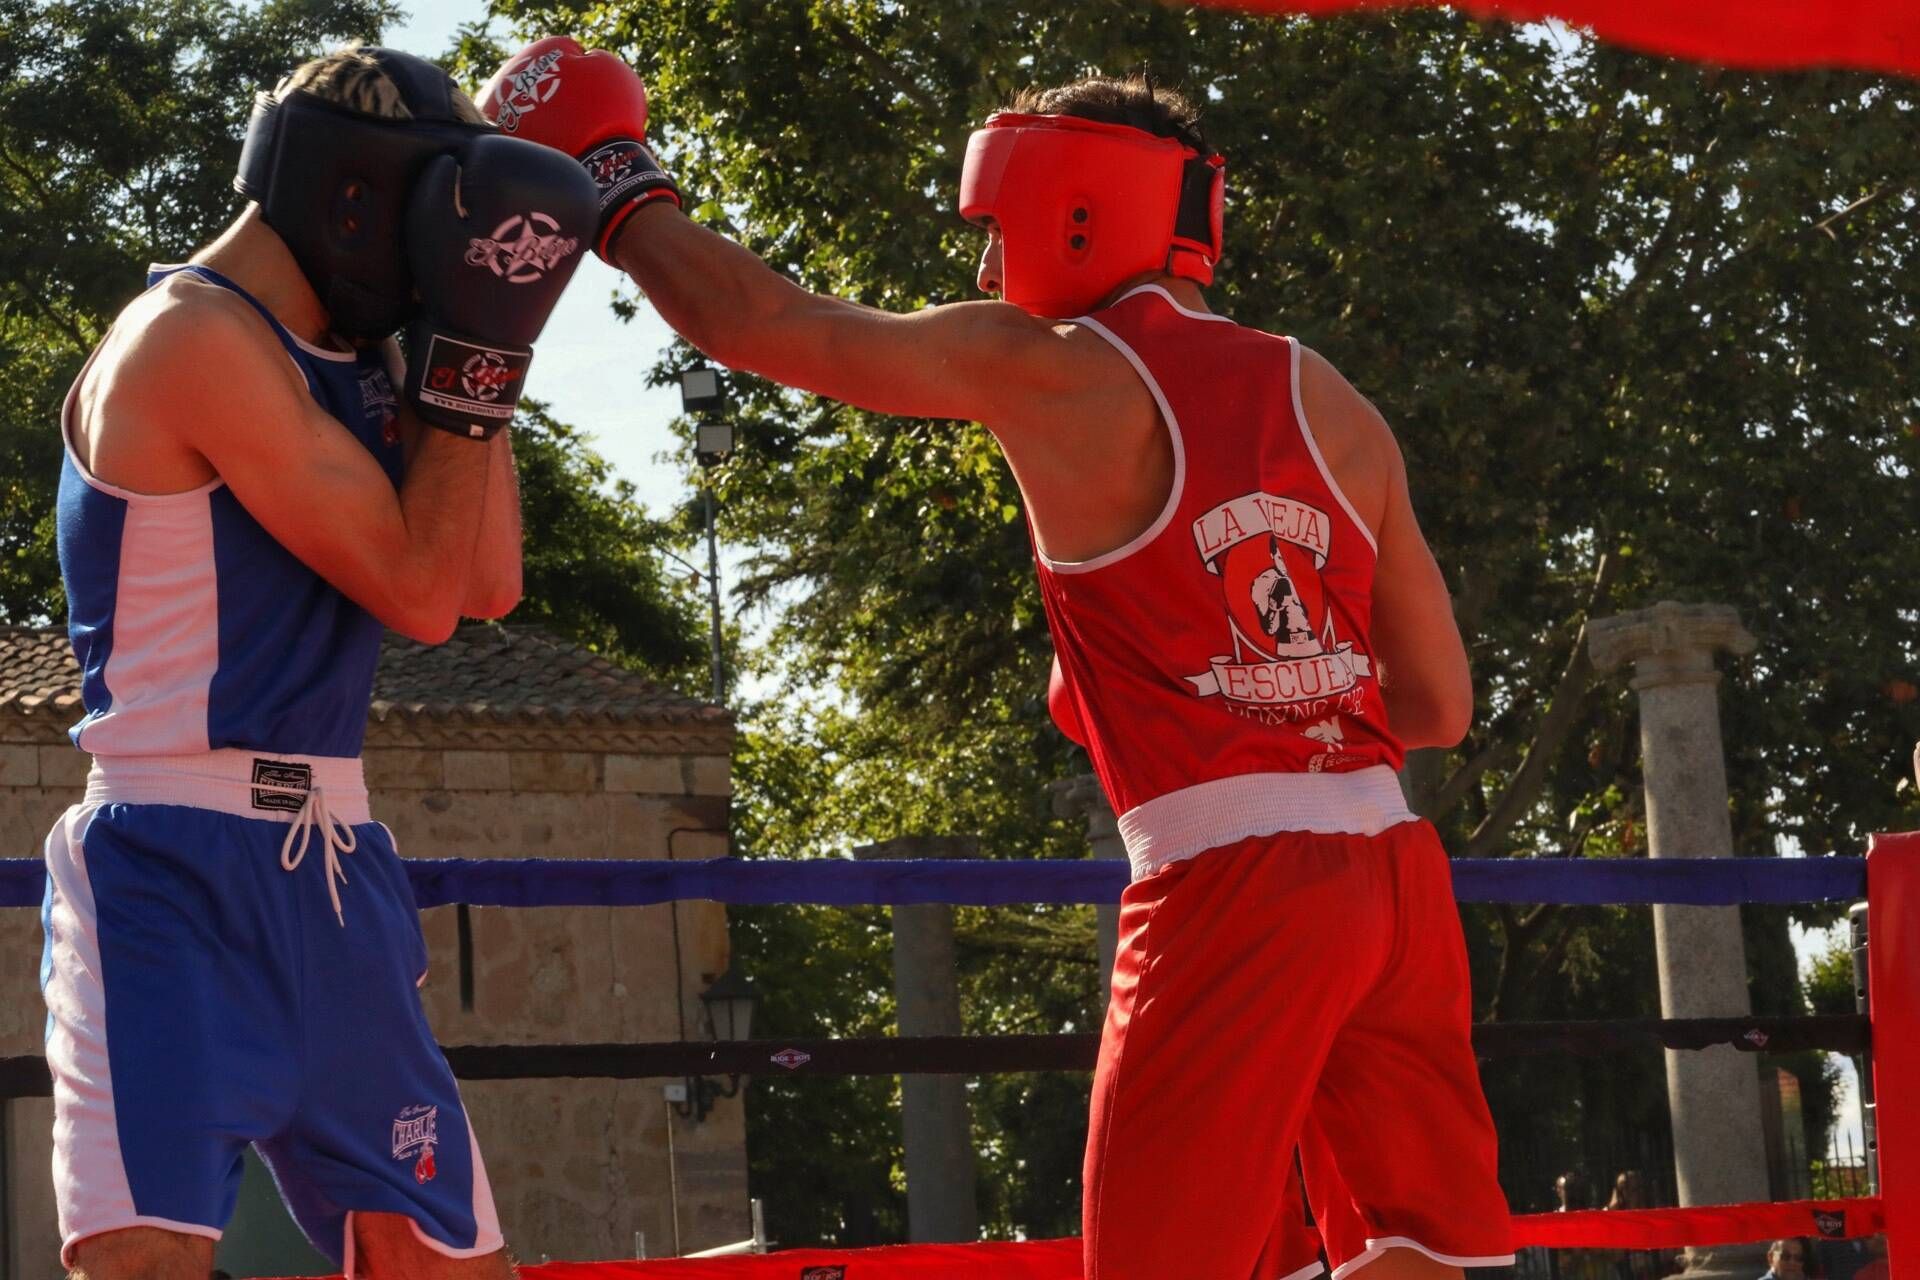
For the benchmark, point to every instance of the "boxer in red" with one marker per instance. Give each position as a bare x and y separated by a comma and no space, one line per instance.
1250,631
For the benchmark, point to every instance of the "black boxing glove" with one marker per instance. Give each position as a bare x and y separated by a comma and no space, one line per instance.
493,235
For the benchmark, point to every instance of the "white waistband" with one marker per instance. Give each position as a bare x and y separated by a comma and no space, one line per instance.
251,784
1180,824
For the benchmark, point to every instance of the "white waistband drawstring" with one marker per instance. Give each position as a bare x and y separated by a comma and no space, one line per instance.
336,838
327,793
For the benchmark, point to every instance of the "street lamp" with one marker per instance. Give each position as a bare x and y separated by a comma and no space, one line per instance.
704,398
728,1005
730,1002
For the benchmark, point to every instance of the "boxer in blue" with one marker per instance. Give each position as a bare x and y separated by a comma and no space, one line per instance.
252,488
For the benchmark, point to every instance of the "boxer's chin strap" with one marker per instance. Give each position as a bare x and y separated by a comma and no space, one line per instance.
336,838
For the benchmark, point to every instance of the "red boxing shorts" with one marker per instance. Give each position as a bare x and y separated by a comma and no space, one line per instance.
1287,990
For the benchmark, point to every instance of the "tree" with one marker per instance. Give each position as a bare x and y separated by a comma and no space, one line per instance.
1644,330
120,128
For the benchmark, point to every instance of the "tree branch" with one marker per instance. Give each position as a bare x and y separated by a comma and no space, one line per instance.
1662,246
872,59
1826,224
1489,758
1555,725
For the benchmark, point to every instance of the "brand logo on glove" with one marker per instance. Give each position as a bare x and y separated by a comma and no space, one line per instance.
527,88
522,249
485,375
618,167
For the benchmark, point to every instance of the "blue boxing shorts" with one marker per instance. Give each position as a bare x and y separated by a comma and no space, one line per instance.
232,957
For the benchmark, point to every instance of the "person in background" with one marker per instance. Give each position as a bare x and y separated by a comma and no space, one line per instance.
1576,1193
1629,1192
1876,1267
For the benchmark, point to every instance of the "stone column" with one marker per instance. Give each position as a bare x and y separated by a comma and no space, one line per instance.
938,1136
1863,1065
1083,796
1719,1151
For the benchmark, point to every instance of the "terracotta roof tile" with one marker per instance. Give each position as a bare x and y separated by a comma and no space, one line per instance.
483,672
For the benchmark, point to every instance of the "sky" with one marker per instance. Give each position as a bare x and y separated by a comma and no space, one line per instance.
591,368
587,364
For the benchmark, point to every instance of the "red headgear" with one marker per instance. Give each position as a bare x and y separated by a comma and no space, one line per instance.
1083,206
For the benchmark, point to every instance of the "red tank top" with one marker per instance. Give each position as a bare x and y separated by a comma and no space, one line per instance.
1232,636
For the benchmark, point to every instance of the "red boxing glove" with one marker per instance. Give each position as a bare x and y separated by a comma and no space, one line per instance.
593,107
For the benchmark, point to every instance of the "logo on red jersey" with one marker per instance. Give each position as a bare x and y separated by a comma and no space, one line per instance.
1267,552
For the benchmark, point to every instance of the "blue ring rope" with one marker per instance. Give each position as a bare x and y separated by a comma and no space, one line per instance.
556,882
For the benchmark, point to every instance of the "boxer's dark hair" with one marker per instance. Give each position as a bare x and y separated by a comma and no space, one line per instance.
1134,100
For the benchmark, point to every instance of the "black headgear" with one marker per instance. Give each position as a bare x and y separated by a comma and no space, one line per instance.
334,184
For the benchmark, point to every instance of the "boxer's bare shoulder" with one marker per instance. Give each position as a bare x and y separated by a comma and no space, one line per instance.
161,369
1352,437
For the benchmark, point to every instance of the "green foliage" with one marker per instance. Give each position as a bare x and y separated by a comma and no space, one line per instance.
1645,331
593,564
1829,980
120,127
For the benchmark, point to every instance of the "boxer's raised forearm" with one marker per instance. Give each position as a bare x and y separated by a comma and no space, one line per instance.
494,584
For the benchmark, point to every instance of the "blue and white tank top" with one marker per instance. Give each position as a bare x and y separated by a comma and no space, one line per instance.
194,629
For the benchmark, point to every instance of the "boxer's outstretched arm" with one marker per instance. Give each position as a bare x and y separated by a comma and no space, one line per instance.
210,375
986,362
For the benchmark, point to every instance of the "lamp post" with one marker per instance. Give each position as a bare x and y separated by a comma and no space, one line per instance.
702,396
728,1004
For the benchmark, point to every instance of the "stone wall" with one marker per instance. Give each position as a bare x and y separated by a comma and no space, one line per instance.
578,1167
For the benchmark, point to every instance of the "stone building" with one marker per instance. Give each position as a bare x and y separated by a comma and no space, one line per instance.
502,743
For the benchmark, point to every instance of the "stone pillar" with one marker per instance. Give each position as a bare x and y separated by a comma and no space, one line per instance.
1714,1095
1863,1065
1083,796
941,1200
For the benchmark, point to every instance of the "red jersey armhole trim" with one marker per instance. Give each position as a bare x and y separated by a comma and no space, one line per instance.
1161,521
1313,448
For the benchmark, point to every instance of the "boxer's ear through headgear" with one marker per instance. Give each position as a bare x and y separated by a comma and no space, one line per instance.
1085,205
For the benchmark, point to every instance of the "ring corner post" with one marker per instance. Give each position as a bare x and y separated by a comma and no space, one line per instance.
1893,949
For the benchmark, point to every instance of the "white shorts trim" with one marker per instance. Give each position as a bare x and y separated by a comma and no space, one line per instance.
1180,824
90,1188
136,1220
1307,1272
484,1243
487,1237
224,781
1377,1248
